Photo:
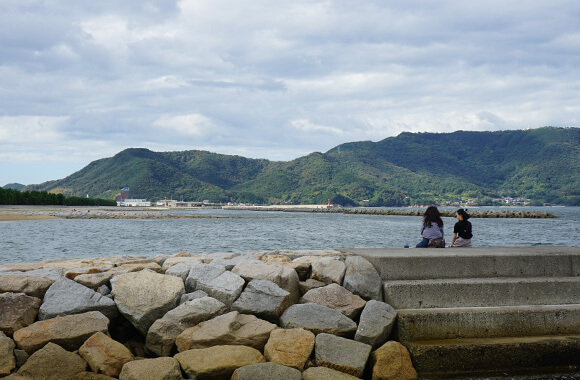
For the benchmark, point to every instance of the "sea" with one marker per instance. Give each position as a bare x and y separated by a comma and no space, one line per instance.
217,230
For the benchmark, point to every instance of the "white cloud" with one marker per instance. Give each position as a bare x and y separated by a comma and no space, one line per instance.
276,80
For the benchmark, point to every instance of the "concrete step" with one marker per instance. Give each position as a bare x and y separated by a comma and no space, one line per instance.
486,322
421,264
495,356
481,292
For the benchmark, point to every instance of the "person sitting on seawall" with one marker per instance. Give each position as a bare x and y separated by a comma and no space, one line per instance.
432,231
463,229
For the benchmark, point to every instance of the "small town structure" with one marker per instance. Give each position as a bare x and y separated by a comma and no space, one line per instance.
134,203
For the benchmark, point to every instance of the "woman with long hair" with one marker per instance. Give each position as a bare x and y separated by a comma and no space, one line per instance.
432,230
462,230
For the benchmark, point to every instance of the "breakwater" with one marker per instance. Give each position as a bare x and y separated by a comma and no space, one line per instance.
475,213
283,314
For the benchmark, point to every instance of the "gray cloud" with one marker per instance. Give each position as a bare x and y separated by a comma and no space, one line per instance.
264,79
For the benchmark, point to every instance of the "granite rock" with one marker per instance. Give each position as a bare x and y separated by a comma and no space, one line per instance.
145,296
18,311
328,270
264,299
152,369
7,358
53,362
162,334
70,332
362,279
66,297
342,354
318,319
338,298
217,362
232,328
105,355
392,361
266,371
29,285
290,347
375,324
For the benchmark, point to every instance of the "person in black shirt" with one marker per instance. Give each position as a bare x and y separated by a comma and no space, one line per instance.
462,230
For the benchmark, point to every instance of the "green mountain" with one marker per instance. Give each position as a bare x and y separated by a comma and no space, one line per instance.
410,169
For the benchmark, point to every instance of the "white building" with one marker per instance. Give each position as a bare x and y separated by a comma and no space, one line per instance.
134,203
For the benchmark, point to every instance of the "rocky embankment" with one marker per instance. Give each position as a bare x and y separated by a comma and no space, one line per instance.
473,212
277,315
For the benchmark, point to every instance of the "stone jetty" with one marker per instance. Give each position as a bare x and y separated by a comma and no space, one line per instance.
485,313
264,315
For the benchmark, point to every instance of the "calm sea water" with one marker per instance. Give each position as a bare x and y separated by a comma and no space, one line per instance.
243,231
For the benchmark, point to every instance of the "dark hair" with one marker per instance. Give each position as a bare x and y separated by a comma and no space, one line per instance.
463,213
432,215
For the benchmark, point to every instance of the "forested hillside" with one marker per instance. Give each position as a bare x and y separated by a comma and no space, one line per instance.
410,169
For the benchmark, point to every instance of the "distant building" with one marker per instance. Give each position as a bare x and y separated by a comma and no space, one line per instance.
121,197
134,203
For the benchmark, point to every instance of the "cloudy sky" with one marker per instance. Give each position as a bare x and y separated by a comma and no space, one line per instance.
83,80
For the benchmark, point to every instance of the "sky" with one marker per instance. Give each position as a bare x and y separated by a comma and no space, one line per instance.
84,80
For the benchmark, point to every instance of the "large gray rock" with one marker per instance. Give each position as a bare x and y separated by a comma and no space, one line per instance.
192,296
49,273
318,319
143,297
7,358
324,373
162,334
182,269
152,369
285,278
375,324
264,299
362,278
328,270
232,328
342,354
66,297
17,311
266,371
218,362
53,362
70,332
216,281
29,285
338,298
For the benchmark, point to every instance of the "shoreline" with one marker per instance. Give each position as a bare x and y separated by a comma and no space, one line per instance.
25,212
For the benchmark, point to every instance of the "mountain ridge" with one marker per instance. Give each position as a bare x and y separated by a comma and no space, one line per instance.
409,169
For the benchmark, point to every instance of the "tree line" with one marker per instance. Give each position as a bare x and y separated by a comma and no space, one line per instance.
30,198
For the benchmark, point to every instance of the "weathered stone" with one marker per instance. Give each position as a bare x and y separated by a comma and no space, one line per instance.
318,319
230,263
232,328
152,369
31,286
143,297
139,266
168,263
72,273
18,311
66,297
92,376
362,278
375,324
338,298
70,332
392,361
266,371
216,281
324,373
49,273
289,347
301,268
162,334
217,362
21,357
192,296
181,269
264,299
105,355
7,359
53,362
328,270
285,278
310,284
95,280
342,354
